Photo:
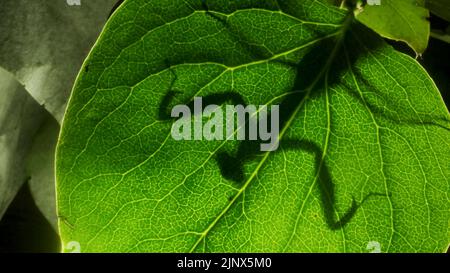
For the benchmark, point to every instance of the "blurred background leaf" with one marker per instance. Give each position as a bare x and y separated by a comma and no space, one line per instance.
20,118
44,42
40,168
439,7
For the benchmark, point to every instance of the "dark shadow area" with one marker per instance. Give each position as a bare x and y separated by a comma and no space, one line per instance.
436,60
23,228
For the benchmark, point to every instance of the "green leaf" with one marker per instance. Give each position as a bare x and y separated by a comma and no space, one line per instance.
439,7
43,43
363,156
400,20
20,118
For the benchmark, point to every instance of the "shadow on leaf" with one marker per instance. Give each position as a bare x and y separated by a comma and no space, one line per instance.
311,81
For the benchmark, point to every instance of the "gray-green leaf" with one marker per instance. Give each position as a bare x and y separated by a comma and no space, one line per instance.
40,167
20,118
43,43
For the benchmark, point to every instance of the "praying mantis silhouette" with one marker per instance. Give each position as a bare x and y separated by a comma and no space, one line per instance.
231,164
